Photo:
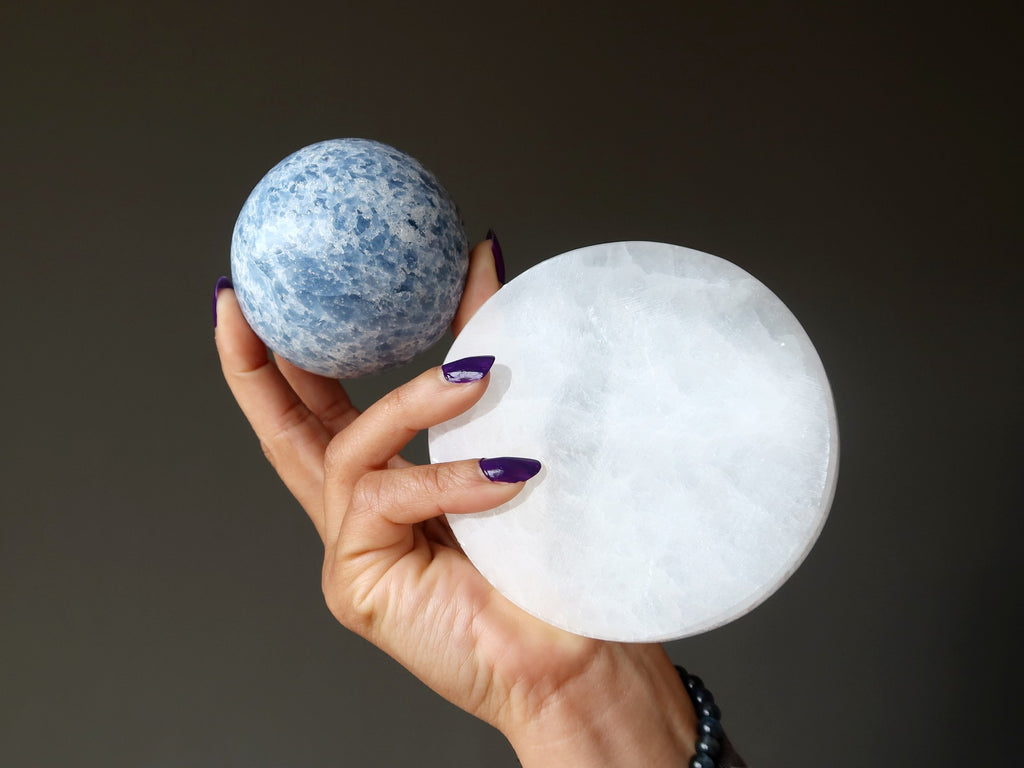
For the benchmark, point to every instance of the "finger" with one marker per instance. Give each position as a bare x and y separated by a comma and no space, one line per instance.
374,438
292,436
482,282
439,532
384,504
323,396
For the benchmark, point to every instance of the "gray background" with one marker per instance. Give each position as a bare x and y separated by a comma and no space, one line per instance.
159,590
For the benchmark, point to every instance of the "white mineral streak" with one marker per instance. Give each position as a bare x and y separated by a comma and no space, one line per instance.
687,433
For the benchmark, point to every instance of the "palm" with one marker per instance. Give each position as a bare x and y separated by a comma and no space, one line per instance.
406,587
446,623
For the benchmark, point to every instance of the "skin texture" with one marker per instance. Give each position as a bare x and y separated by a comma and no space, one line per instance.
394,574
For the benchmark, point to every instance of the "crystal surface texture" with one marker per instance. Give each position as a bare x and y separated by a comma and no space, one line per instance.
348,258
687,433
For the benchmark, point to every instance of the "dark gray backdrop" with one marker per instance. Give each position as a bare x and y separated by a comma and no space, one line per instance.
159,590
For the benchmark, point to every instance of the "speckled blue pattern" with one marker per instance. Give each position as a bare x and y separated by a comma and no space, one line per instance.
349,257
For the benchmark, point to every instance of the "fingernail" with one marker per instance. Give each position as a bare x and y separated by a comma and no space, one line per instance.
499,262
509,469
467,369
222,282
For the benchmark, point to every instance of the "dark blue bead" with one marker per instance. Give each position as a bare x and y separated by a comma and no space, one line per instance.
710,726
710,746
693,683
709,709
701,761
701,696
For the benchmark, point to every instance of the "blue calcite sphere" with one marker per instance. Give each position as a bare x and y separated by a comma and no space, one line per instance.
348,258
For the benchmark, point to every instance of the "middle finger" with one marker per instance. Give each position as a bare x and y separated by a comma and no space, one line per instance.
323,396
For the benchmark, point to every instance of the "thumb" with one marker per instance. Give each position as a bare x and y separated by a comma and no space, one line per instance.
486,269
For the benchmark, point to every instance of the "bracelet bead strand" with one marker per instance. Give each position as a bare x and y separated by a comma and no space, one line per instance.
710,734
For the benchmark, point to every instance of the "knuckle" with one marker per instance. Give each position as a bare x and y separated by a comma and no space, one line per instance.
334,593
397,403
367,496
286,434
437,481
346,597
335,456
295,416
268,453
338,413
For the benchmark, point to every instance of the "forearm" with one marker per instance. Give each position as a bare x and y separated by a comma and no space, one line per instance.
628,709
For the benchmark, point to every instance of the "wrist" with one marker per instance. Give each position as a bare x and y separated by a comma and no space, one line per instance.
628,708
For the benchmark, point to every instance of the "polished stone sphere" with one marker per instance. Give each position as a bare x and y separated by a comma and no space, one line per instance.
349,258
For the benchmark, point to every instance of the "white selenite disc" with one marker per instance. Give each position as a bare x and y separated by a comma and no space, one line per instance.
687,434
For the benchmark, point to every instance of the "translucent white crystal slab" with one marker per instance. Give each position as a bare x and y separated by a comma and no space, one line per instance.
687,433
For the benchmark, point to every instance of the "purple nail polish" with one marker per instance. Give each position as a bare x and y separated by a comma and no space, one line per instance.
499,262
222,282
509,469
467,369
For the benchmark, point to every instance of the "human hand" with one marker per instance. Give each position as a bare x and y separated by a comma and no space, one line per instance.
394,574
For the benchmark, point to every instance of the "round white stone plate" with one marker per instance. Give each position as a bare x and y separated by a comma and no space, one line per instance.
687,434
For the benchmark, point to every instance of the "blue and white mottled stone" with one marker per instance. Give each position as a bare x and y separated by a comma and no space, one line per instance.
348,258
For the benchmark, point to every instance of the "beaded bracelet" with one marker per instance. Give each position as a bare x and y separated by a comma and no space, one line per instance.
709,721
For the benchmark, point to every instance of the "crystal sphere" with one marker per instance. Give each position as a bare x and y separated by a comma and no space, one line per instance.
349,258
686,430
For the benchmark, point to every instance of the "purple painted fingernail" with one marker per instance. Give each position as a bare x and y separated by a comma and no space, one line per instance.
467,369
509,469
499,262
222,282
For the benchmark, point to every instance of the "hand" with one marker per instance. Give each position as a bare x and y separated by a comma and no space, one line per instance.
394,573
